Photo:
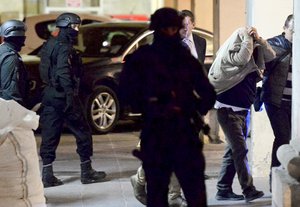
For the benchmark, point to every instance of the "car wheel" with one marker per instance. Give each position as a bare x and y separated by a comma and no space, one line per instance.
103,110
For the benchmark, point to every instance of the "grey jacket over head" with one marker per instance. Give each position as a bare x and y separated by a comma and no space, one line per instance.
234,60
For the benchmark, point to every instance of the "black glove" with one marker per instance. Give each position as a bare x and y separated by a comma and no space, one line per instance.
69,103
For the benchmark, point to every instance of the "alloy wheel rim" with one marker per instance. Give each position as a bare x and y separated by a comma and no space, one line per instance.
104,110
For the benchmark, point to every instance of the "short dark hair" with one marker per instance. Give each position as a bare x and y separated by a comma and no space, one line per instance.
288,19
165,17
187,13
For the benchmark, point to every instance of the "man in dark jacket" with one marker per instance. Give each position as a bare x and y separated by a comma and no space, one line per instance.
13,82
277,88
196,43
167,84
197,46
61,103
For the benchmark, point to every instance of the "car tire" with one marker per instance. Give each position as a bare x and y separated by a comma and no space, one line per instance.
103,110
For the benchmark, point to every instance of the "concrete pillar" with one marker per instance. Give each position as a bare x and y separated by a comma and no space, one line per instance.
296,84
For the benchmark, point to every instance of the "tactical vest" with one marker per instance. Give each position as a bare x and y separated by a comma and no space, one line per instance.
48,53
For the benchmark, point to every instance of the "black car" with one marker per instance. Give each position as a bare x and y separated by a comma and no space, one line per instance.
103,48
40,27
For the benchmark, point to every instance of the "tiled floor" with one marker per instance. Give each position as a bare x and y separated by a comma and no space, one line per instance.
112,153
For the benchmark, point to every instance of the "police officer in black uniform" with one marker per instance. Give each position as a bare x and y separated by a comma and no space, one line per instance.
60,102
14,81
169,86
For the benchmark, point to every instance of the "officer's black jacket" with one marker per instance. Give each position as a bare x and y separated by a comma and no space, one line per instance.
14,78
64,71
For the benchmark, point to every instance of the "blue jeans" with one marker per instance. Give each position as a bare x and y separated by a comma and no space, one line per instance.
234,125
280,119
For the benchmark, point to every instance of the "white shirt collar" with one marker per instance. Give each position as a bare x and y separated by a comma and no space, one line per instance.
192,46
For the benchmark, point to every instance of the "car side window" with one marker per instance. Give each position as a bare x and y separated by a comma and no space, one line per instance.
146,40
102,42
117,40
44,29
89,47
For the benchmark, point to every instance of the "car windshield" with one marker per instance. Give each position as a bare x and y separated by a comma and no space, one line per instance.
104,41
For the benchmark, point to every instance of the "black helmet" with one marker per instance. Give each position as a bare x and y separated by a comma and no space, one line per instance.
13,28
66,19
165,17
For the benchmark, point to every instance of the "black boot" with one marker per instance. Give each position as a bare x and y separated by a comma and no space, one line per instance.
89,175
49,180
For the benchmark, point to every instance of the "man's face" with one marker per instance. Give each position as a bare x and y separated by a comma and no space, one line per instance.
187,28
289,31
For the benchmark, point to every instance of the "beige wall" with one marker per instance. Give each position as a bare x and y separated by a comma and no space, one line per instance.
231,17
269,21
184,4
11,10
204,14
202,11
170,3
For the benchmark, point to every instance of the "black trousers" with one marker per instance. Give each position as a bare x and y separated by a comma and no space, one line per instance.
281,122
52,120
168,146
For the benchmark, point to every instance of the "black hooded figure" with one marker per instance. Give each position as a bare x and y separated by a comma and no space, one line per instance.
14,80
61,104
167,85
